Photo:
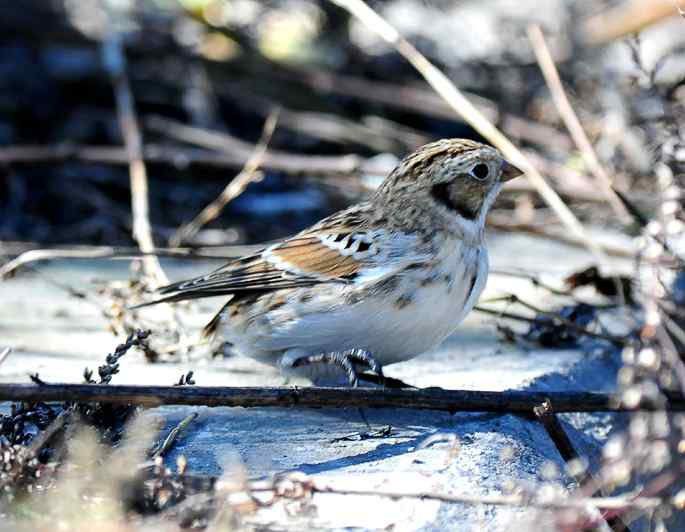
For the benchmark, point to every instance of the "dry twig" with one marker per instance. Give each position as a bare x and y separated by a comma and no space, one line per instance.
627,18
240,152
319,397
516,499
115,252
546,415
4,353
169,441
568,115
233,189
115,62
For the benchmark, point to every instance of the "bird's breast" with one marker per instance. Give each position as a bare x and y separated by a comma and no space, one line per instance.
418,309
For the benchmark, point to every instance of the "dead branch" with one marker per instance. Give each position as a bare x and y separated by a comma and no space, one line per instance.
616,340
425,102
627,18
113,252
517,499
4,353
546,415
570,118
290,163
318,397
115,63
241,151
233,189
168,443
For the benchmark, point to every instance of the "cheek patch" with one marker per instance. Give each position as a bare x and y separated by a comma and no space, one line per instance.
466,204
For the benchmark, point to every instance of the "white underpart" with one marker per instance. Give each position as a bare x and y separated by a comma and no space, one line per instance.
390,332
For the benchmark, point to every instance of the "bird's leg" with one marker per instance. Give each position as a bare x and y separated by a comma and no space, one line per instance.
345,360
361,356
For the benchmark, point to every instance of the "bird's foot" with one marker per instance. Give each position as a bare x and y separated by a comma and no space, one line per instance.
345,360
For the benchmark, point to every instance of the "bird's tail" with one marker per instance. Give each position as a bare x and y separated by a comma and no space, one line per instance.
209,330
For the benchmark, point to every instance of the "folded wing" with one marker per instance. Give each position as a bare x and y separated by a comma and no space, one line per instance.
324,254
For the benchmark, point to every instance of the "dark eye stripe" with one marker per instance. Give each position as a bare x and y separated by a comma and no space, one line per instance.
441,194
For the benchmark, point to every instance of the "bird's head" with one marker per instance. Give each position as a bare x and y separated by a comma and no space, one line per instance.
459,177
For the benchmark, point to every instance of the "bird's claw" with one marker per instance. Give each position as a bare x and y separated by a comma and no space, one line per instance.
345,360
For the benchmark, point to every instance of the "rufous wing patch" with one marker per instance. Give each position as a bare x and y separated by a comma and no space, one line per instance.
312,256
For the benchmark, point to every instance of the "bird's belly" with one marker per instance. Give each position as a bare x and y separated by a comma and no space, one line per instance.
394,325
434,312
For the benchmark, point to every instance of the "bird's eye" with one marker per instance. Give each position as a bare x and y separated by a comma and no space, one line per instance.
480,171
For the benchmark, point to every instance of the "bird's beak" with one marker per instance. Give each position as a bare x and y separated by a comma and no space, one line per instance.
509,172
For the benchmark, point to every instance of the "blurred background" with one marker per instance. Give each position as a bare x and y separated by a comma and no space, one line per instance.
204,75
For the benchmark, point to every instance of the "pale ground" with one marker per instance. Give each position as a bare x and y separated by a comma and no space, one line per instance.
58,336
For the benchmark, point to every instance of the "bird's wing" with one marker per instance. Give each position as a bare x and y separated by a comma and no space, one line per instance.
331,251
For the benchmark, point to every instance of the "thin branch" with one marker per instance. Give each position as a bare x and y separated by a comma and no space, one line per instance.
169,441
549,420
233,189
617,340
408,97
242,151
4,353
44,437
115,63
516,499
290,163
546,415
111,252
627,18
571,121
318,397
471,114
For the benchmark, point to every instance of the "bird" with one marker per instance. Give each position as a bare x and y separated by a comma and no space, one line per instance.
379,282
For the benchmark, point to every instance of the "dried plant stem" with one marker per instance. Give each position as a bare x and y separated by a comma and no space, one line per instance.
290,163
571,121
44,437
616,340
4,353
318,397
169,441
463,107
115,63
627,18
233,189
114,252
517,499
546,415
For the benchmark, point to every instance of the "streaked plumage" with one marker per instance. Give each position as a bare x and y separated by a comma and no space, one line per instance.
391,276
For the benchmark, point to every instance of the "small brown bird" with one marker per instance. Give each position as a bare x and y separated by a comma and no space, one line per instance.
377,283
